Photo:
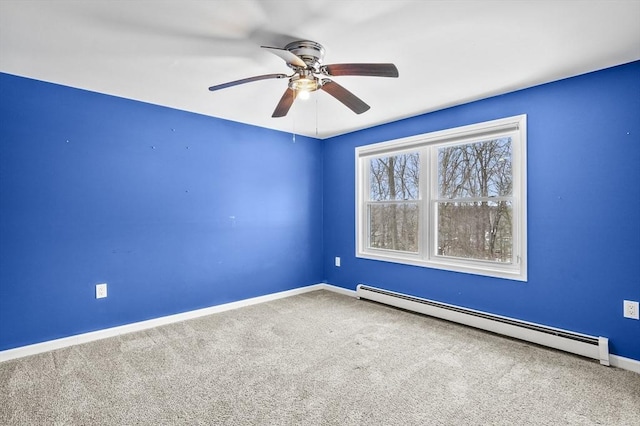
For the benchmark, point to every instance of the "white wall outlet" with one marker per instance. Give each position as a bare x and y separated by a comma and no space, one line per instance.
631,309
338,262
101,290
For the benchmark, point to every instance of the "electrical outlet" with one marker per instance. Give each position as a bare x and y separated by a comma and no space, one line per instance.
101,291
338,262
631,309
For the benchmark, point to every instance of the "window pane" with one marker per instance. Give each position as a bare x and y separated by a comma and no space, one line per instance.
394,226
394,178
481,169
480,230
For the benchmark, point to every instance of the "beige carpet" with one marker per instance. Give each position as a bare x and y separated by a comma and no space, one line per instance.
314,359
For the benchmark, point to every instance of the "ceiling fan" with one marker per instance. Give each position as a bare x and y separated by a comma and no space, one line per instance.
305,58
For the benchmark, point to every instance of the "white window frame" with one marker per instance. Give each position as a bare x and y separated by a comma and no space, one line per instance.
427,144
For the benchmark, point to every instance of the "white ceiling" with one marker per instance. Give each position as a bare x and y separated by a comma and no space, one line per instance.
447,52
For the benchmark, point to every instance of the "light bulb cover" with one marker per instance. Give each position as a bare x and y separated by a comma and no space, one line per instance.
304,84
303,94
304,81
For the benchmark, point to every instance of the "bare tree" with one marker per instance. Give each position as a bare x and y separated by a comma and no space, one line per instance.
477,179
394,184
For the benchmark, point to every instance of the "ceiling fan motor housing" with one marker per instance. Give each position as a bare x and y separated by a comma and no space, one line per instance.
311,52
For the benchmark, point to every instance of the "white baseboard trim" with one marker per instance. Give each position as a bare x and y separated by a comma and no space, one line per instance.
37,348
78,339
339,290
625,363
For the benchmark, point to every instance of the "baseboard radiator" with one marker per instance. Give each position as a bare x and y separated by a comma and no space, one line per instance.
580,344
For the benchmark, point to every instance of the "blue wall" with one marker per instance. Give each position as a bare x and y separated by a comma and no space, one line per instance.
583,208
175,211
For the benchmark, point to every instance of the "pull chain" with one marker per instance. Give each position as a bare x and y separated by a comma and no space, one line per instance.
293,125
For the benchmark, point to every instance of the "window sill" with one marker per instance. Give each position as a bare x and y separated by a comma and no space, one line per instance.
467,267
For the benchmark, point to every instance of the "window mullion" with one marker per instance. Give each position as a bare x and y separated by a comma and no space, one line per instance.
425,195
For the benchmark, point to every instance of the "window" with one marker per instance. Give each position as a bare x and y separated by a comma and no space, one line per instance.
454,199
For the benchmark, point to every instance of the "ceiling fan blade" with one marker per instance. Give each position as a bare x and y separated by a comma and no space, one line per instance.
285,103
370,70
353,102
289,58
246,80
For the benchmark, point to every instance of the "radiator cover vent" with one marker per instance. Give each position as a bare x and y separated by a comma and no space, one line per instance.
581,344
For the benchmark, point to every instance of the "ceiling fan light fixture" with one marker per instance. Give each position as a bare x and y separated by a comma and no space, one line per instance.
304,84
